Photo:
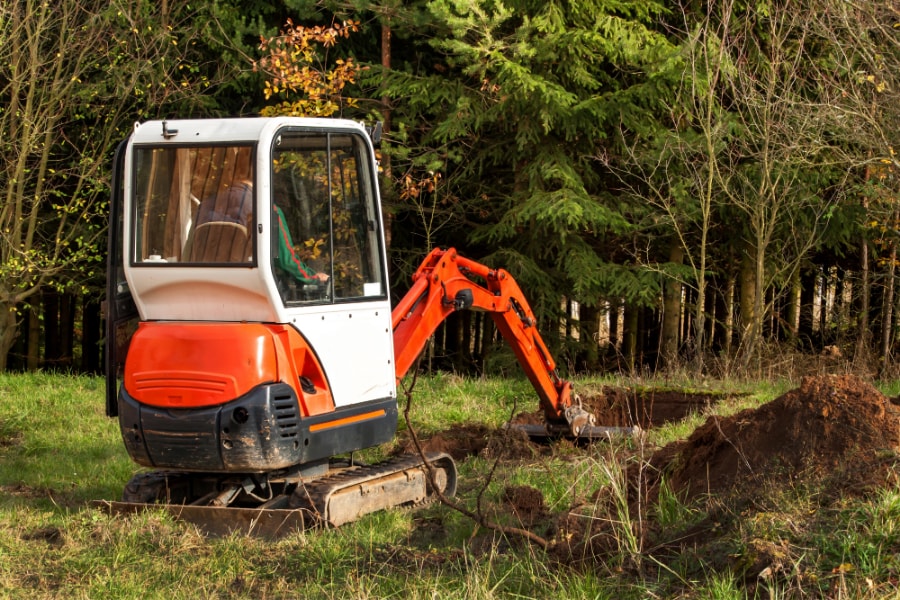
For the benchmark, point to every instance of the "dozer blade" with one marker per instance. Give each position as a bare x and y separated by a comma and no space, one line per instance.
221,521
551,431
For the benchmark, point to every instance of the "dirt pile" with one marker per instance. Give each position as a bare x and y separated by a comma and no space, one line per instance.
837,429
624,407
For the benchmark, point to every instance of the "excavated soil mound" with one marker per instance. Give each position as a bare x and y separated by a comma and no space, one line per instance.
837,429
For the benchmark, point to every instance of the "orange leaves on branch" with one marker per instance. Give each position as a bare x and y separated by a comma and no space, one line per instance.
412,188
296,63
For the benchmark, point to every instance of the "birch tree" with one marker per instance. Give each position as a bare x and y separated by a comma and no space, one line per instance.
73,74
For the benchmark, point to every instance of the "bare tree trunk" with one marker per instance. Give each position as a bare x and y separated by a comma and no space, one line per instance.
863,335
613,326
729,315
52,345
67,314
589,327
630,335
672,311
387,191
33,358
90,337
888,304
793,316
748,302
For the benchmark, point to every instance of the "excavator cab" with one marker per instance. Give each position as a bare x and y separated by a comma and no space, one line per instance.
249,323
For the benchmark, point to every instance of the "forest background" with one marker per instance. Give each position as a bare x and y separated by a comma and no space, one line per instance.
700,185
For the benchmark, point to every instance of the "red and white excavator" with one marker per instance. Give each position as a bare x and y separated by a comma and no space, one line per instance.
250,334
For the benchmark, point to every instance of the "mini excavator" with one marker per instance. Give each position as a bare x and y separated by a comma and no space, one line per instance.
250,337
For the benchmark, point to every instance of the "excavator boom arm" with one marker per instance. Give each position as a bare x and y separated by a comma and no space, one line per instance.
445,283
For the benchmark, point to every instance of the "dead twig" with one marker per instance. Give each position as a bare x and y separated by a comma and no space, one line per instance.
477,516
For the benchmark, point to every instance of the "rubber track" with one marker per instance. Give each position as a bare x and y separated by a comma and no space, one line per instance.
311,496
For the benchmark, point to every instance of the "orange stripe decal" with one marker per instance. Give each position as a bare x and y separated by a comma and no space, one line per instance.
347,420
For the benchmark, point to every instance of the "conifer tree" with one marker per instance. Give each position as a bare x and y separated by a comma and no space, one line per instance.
518,116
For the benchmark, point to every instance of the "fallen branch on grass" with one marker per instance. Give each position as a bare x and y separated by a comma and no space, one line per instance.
478,515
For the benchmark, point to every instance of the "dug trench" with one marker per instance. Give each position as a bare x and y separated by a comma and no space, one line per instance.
833,436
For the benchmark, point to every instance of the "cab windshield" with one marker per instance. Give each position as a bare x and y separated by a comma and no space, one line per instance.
193,205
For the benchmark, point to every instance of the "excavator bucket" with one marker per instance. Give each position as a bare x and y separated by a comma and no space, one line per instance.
577,424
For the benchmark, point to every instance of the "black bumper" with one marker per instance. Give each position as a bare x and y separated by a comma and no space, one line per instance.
259,432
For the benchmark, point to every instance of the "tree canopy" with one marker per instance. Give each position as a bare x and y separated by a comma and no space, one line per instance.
682,183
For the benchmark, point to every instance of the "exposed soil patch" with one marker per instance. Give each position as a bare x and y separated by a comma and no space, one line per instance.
833,436
619,407
53,536
9,438
526,504
834,428
459,442
462,441
26,491
836,435
625,408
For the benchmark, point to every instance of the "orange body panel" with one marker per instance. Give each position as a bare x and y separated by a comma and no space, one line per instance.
347,420
193,365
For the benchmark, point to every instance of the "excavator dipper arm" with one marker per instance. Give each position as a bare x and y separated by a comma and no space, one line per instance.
445,283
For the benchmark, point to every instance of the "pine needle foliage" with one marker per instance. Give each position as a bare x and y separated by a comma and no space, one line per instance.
523,108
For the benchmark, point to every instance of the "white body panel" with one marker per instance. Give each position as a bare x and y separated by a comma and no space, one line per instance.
220,294
355,346
353,340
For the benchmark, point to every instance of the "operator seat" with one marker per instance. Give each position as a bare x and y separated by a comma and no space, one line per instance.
218,242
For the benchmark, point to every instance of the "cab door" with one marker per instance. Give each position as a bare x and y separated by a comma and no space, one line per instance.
328,256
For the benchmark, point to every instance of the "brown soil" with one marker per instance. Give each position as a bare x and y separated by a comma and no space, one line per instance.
652,408
526,504
53,536
617,407
462,441
837,429
26,491
834,428
833,436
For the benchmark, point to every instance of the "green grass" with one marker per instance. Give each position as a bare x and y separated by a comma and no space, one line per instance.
58,452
